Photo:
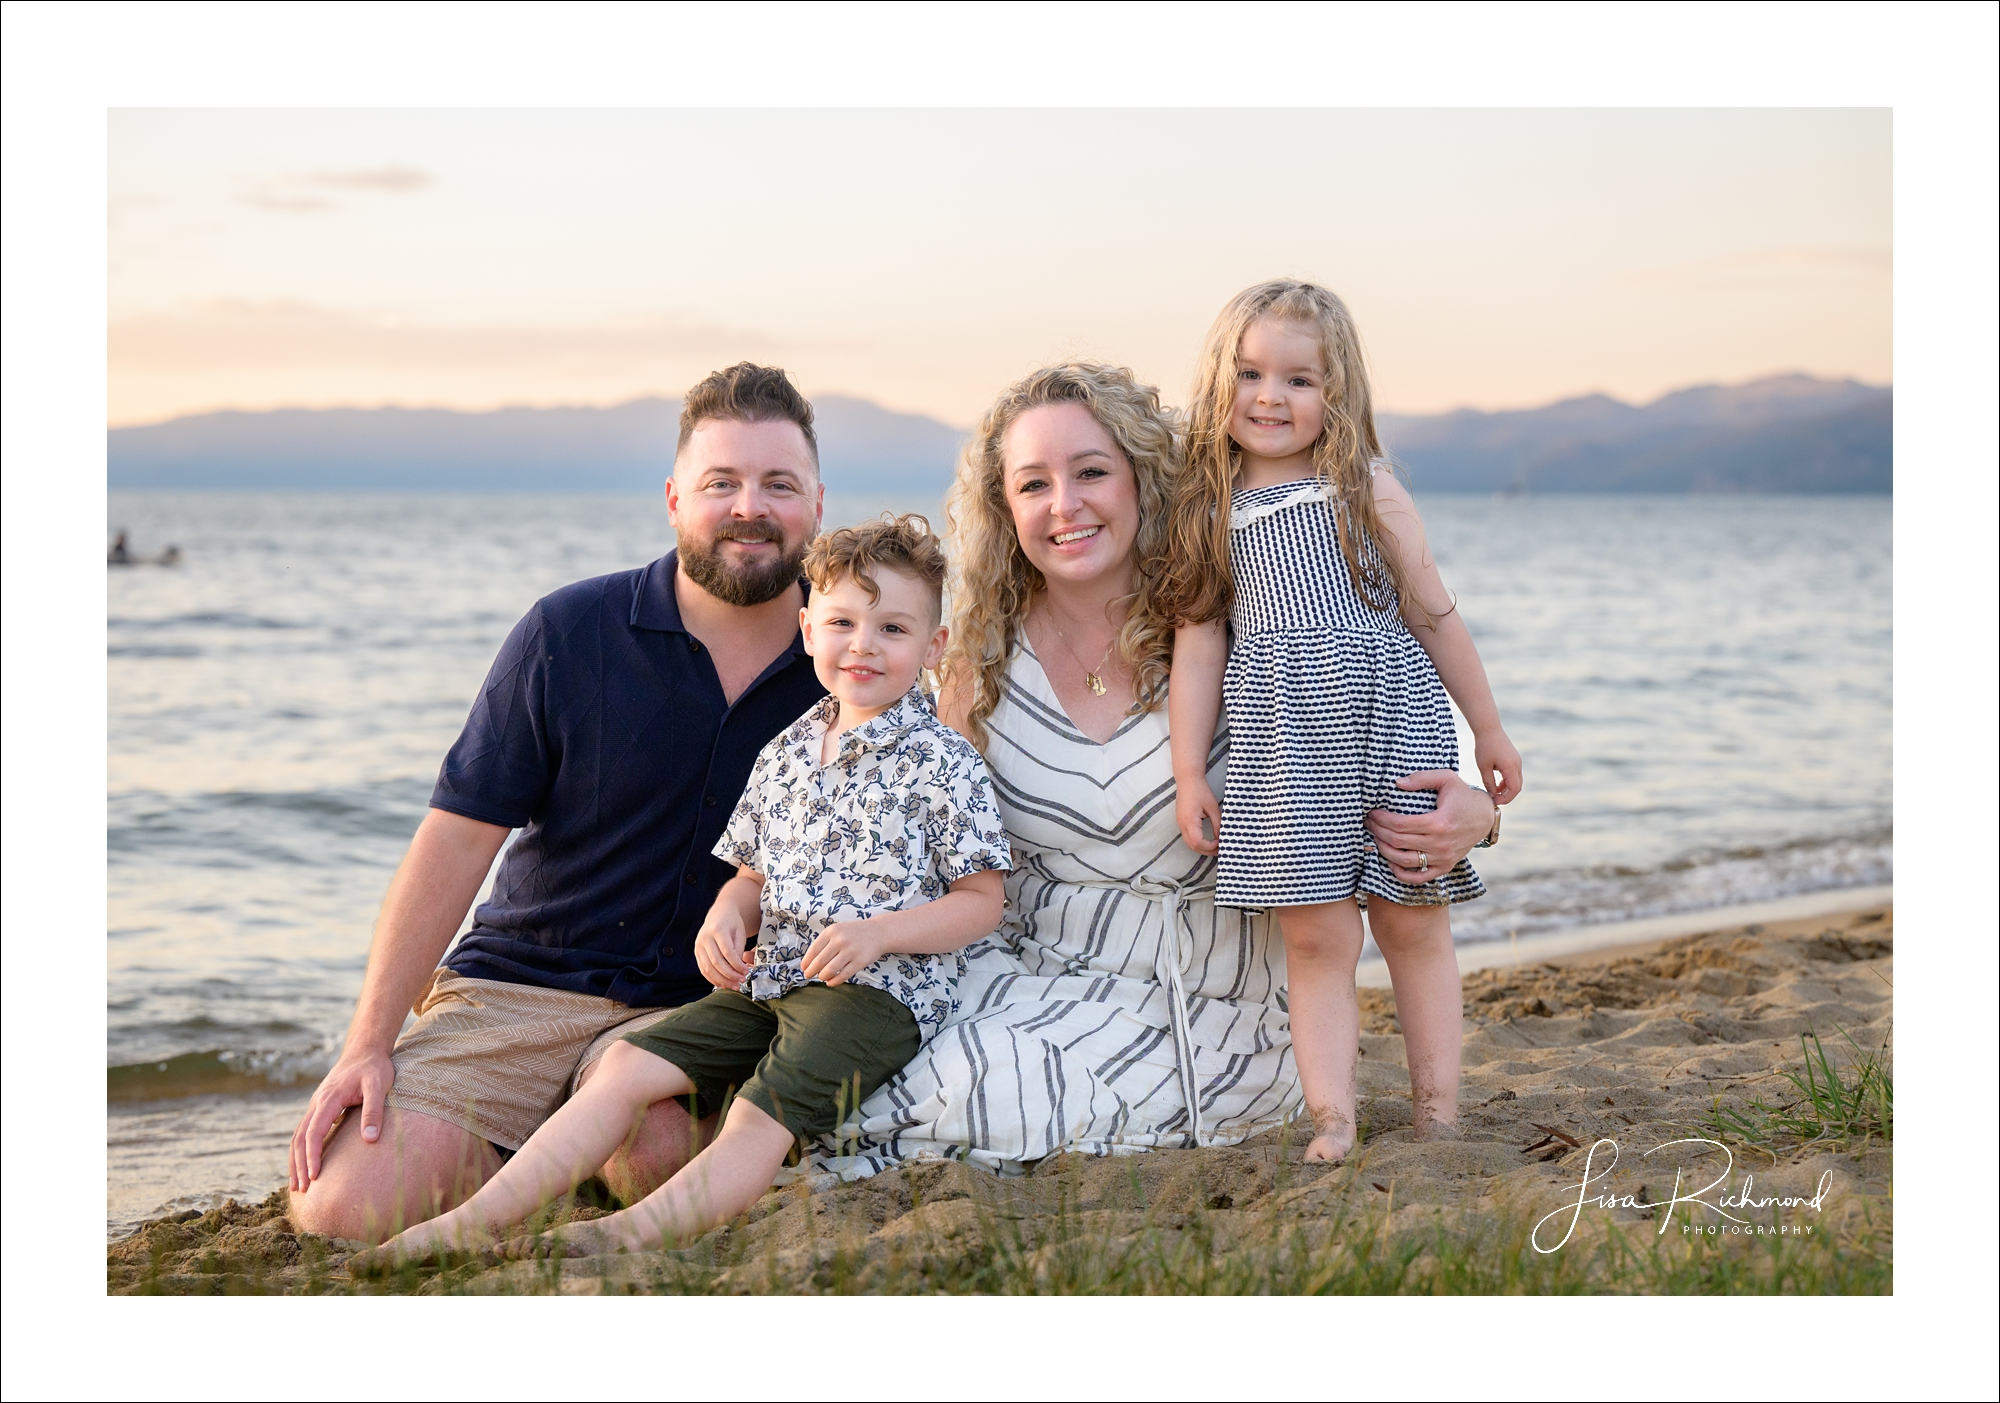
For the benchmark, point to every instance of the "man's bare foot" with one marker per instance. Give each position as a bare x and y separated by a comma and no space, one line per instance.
418,1247
593,1239
1329,1148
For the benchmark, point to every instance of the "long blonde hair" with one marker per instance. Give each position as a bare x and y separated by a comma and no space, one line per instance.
993,585
1199,587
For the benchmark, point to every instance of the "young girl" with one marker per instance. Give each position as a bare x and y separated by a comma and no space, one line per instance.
1289,530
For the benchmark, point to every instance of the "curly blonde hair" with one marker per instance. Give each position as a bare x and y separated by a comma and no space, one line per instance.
993,585
1199,587
892,542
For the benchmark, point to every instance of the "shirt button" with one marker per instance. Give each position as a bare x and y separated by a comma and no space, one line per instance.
670,951
694,645
709,800
691,879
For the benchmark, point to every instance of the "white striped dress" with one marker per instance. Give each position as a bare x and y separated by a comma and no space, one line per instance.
1072,1033
1329,702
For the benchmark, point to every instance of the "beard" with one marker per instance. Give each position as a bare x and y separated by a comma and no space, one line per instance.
748,584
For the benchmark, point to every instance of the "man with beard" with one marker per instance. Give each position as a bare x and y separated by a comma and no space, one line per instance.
616,730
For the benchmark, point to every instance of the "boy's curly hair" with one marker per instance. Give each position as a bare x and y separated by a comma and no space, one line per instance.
903,543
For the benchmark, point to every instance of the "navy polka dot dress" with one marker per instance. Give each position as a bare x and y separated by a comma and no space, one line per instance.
1330,701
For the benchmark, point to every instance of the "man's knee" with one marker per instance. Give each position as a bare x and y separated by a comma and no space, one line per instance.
368,1191
663,1144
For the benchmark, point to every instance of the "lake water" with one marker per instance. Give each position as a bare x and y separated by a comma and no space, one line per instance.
1700,687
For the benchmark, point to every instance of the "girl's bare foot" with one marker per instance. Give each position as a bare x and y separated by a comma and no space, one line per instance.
1333,1134
593,1239
1329,1147
1427,1129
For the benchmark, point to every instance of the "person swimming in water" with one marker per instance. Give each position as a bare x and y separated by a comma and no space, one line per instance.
121,553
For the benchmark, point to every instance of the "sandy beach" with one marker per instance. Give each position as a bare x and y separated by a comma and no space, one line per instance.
1639,1045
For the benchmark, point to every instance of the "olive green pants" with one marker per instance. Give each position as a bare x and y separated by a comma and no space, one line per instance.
802,1057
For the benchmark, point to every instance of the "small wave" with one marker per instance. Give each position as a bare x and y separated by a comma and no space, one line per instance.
215,1073
318,803
1533,902
215,620
239,827
153,650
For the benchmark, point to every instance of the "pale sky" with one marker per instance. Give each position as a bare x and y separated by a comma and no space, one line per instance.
923,259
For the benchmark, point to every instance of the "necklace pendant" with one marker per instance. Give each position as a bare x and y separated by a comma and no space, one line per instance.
1094,682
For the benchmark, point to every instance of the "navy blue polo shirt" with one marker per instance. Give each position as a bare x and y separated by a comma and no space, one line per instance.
602,734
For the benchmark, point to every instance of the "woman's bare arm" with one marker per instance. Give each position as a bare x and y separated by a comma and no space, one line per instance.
1418,846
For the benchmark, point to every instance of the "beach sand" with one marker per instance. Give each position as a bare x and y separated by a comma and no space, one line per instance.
1633,1044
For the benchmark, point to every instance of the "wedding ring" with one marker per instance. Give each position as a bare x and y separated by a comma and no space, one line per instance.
1423,862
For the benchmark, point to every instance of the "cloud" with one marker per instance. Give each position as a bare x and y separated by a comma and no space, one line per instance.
292,194
396,180
235,335
1762,268
286,204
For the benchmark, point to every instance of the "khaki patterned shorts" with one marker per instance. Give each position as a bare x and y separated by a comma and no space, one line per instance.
496,1058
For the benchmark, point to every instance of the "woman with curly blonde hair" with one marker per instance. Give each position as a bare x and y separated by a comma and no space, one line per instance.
1117,1008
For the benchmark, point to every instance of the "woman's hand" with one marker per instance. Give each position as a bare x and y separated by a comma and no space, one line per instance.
841,951
1499,765
718,947
1194,801
1420,848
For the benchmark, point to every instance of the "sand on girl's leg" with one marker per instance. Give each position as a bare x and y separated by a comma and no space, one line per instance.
1415,942
1322,947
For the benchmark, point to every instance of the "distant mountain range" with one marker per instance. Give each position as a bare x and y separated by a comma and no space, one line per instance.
625,448
1787,433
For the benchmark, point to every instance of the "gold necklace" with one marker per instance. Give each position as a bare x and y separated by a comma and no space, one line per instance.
1090,677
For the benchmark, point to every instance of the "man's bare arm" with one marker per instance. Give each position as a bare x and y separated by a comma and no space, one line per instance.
427,900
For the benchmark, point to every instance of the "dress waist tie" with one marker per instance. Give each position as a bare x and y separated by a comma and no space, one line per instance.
1172,956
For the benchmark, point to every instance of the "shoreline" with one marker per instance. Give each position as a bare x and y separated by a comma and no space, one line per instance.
1575,1067
1626,936
1568,948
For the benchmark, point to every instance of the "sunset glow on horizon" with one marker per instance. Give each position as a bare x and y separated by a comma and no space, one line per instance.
922,259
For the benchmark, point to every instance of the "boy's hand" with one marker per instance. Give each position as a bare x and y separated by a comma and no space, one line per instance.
1193,802
842,951
718,948
1497,757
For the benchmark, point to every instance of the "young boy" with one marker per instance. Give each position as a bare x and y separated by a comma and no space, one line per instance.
869,852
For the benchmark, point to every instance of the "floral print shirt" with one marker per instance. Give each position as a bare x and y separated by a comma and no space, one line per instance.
904,809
